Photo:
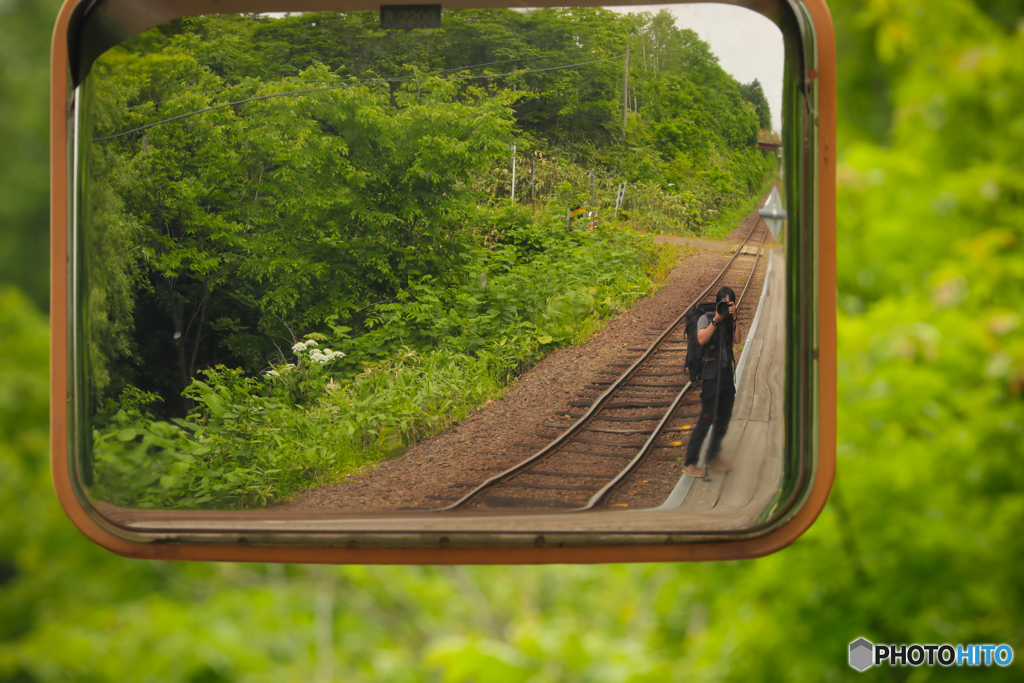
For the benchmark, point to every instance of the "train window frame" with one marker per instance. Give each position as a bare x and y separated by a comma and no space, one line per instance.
86,28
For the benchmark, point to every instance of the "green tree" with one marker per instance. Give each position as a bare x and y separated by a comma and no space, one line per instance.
753,94
235,231
292,209
24,216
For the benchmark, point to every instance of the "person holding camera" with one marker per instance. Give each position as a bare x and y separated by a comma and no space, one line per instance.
716,334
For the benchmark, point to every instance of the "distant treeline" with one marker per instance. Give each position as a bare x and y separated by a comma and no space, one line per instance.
674,77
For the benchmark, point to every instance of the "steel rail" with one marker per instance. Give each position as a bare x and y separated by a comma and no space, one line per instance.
757,257
640,456
606,491
574,429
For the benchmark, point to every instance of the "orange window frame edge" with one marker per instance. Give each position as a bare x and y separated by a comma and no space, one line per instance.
743,548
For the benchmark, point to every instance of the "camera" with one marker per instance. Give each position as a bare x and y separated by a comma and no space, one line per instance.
722,308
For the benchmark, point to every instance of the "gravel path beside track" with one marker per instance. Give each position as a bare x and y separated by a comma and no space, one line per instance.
439,469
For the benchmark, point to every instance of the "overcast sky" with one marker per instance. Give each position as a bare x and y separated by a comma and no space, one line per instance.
747,45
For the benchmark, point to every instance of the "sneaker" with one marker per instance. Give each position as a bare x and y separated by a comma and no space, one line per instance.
694,471
719,463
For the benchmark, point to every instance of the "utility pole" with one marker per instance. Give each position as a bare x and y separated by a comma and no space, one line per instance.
533,188
513,148
593,199
625,91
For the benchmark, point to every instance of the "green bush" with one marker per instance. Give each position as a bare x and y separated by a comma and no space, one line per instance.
349,401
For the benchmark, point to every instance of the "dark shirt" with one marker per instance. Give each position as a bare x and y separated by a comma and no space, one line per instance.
724,362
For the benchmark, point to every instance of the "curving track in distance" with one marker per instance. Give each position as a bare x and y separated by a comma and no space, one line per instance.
648,399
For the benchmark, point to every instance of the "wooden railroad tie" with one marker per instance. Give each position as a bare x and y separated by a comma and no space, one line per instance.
653,364
623,405
643,385
646,417
548,487
516,502
647,373
508,502
614,456
610,430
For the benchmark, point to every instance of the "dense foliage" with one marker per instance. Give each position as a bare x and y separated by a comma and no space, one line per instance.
372,214
436,354
920,541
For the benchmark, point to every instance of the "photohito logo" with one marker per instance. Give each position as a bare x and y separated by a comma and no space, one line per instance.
864,654
861,653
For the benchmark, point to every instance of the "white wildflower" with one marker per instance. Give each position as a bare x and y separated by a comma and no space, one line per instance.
271,373
325,356
299,347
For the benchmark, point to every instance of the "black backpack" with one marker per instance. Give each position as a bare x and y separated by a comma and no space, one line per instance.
694,351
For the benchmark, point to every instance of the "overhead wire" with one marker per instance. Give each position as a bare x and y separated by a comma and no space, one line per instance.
345,86
249,85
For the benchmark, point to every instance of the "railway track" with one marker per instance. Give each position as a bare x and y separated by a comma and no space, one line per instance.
642,413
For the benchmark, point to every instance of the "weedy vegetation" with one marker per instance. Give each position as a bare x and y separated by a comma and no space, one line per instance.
290,289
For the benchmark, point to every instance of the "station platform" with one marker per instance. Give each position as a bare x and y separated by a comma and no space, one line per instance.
754,442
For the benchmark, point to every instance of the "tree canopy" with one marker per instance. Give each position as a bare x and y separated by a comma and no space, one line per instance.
256,180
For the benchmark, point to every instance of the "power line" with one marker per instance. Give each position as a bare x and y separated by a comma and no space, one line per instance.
249,85
345,86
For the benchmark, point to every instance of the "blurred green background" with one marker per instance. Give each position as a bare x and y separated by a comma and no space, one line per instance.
922,539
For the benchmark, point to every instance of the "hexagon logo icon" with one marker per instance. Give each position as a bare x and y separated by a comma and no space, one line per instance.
861,654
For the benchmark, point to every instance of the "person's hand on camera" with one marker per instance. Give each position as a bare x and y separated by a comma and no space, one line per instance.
730,313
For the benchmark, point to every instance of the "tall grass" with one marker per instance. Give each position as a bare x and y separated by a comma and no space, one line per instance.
650,209
723,225
693,211
704,204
